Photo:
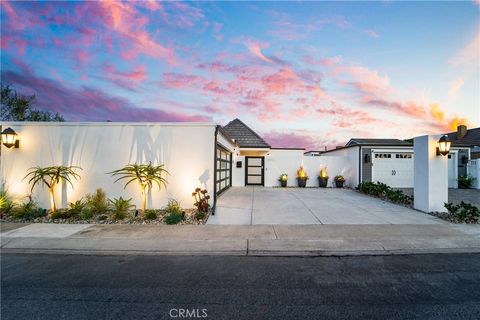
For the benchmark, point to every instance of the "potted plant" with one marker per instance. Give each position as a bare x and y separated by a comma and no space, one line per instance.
283,179
302,177
323,178
339,181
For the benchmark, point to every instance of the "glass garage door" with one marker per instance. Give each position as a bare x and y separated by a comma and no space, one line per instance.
223,170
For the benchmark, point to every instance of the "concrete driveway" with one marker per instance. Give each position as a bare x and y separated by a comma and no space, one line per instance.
259,205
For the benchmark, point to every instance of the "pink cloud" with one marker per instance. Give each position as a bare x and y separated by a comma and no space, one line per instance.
468,55
326,62
126,79
256,47
84,103
300,139
455,87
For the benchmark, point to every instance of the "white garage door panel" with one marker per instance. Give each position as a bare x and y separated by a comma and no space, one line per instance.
393,169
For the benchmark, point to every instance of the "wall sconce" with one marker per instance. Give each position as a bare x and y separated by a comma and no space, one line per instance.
9,138
443,147
367,158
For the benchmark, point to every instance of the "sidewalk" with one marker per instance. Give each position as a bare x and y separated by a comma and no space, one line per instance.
284,240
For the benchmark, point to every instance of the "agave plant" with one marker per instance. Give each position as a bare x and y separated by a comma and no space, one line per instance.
50,177
145,175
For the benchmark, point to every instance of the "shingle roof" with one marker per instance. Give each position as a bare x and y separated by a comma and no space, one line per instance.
379,142
244,136
472,138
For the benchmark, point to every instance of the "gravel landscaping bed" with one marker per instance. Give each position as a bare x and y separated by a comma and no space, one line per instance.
189,219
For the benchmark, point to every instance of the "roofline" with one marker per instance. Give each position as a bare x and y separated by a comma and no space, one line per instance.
253,131
287,148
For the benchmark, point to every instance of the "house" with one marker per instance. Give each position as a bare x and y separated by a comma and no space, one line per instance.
202,155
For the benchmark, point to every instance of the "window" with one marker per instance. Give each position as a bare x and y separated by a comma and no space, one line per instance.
383,155
223,171
403,156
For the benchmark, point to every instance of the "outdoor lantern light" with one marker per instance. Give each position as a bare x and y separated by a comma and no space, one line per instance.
367,158
443,146
9,138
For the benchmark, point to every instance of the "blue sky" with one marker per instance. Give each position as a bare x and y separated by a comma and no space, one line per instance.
308,74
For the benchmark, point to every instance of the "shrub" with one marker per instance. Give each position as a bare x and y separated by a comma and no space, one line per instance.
120,207
201,200
75,208
97,202
87,213
150,214
173,206
29,210
7,205
381,190
199,215
283,177
339,178
463,212
173,218
465,182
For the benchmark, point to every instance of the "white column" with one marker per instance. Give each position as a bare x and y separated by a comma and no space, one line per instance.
430,175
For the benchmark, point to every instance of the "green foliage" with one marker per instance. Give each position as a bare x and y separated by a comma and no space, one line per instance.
29,210
199,215
17,107
146,175
339,178
120,207
173,206
384,191
150,214
173,218
87,213
7,205
75,208
463,212
50,177
283,177
97,202
465,182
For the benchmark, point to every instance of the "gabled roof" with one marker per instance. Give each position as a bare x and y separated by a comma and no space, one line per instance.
377,142
472,138
244,136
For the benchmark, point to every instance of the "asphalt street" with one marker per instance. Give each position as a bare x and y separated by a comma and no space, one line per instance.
441,286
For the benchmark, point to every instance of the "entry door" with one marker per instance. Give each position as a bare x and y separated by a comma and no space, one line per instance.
254,170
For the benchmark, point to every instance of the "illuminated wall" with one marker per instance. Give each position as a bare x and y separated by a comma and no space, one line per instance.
186,149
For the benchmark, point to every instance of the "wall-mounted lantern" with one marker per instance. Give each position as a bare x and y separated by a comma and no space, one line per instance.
9,138
367,158
443,147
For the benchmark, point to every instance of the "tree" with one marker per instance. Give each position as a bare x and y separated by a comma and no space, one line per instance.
145,174
51,176
18,107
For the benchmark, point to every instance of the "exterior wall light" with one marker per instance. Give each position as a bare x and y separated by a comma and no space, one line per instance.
367,158
443,147
9,138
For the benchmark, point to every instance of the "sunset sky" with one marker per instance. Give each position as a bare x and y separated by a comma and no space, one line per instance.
302,74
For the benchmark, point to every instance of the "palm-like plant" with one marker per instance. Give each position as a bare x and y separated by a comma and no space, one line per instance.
145,174
50,177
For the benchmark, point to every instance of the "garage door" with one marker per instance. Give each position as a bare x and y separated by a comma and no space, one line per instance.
393,168
223,171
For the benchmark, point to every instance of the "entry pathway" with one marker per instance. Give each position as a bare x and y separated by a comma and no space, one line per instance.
291,206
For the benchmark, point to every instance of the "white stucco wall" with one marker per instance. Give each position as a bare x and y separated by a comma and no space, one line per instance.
238,174
473,169
186,150
344,162
430,175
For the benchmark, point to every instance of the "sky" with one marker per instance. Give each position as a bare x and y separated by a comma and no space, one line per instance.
301,74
